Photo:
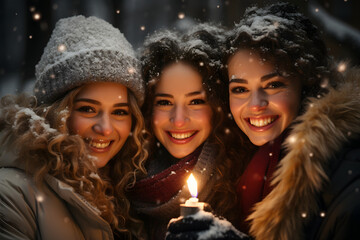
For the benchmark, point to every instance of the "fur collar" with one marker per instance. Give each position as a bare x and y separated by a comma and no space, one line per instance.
328,123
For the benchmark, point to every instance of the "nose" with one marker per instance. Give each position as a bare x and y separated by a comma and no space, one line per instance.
258,101
179,116
103,125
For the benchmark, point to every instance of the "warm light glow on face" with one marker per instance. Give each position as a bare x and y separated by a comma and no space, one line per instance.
262,102
192,185
101,116
181,116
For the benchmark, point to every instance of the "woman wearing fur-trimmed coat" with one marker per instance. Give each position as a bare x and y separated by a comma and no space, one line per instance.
317,183
303,182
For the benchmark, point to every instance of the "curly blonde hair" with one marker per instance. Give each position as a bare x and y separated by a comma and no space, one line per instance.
47,148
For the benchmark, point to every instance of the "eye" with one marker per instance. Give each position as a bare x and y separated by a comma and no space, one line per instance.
274,85
163,103
120,112
238,90
197,101
86,109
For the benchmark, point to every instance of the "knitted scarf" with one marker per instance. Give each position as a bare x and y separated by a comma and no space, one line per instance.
254,184
157,198
161,187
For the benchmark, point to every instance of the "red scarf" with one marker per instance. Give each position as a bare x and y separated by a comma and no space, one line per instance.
161,187
254,184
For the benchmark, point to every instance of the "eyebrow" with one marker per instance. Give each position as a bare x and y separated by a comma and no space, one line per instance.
98,103
193,93
269,76
262,79
171,96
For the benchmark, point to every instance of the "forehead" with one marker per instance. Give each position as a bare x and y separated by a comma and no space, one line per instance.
247,64
179,78
103,92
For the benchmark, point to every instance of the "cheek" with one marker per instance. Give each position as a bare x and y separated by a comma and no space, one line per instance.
158,119
288,104
125,128
236,106
290,101
77,124
203,118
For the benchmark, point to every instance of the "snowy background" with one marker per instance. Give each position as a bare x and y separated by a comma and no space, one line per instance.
26,25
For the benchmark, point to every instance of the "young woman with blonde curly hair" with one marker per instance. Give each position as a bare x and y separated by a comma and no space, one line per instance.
69,152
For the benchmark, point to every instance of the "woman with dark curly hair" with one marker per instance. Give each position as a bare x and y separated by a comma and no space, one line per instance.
66,154
283,96
184,114
303,181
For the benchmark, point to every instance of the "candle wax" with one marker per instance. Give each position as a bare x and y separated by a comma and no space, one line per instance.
191,206
192,202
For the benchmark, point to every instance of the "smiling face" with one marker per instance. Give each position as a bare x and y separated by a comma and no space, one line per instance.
100,115
181,117
262,102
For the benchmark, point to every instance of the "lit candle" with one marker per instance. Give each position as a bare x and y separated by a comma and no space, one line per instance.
192,205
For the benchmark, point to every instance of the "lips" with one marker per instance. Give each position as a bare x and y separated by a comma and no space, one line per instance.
99,145
261,123
181,137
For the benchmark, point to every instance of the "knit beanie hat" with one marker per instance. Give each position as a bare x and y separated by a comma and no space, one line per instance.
83,50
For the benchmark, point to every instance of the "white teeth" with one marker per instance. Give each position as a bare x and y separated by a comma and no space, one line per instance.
99,145
261,122
181,136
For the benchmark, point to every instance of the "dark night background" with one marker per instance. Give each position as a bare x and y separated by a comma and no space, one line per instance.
26,25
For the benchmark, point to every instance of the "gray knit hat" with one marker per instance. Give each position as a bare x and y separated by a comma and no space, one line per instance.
83,50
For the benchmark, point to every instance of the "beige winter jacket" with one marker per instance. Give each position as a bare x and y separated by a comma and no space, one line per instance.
51,211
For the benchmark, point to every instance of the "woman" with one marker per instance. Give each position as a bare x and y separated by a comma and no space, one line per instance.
184,113
66,154
303,181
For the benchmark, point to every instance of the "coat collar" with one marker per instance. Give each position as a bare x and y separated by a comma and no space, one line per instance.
321,132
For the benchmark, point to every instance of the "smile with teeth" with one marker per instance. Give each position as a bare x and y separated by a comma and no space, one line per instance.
261,122
100,145
181,136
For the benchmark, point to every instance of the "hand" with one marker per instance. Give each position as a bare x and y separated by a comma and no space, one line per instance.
202,226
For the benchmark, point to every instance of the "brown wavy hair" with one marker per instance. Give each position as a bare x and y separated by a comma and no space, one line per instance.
200,49
47,148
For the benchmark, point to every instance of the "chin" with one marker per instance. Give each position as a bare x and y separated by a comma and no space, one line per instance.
259,142
179,154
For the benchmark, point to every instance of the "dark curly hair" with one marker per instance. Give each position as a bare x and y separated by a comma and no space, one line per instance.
283,36
200,48
196,48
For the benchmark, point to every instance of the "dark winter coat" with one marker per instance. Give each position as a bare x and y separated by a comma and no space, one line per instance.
316,192
51,210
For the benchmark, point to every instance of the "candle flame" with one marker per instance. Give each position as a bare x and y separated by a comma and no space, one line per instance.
192,185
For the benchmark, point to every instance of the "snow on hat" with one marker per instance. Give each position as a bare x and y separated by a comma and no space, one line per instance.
83,50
